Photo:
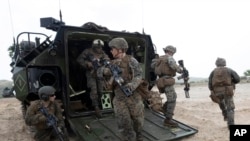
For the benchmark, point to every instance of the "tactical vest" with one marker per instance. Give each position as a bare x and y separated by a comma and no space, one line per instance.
52,109
123,63
162,67
221,77
90,51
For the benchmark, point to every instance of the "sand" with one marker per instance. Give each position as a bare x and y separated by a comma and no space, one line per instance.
198,112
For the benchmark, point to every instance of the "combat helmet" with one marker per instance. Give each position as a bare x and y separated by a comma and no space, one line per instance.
220,62
120,43
170,48
97,43
46,91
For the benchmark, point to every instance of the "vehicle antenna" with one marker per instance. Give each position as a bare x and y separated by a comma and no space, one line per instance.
142,19
60,12
11,22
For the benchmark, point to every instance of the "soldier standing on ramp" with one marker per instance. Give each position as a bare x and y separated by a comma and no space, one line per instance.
166,68
129,110
87,59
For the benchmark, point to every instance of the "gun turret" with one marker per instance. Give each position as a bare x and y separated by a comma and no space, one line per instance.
51,23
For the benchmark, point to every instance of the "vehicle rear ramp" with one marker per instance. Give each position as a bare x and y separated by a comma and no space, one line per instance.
105,128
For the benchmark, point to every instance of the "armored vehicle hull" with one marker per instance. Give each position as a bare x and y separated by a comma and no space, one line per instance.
53,62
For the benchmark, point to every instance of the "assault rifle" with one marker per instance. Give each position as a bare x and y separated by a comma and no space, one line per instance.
116,73
94,61
52,122
185,77
96,64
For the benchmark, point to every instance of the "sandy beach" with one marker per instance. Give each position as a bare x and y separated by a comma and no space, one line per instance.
198,111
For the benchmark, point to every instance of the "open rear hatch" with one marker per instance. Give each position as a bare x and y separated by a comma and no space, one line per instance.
105,129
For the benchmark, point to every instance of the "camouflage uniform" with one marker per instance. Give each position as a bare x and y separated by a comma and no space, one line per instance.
129,110
169,105
91,74
225,100
35,118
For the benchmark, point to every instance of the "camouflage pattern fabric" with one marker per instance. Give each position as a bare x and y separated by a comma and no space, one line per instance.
226,103
91,73
129,110
170,48
172,64
221,77
171,102
161,68
227,107
169,90
35,118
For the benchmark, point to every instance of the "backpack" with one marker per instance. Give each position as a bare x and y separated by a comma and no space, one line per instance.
162,68
221,77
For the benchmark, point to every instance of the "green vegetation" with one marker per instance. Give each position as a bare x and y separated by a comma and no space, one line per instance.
247,73
11,50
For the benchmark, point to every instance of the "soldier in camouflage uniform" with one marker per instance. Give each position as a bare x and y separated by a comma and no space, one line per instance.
34,117
96,52
128,110
221,83
169,105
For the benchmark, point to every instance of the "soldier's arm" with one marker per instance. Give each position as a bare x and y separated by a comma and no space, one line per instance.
173,65
210,81
81,59
59,115
153,64
137,74
33,116
235,76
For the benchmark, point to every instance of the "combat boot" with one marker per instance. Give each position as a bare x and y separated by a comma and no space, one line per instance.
225,118
170,123
98,112
224,113
139,136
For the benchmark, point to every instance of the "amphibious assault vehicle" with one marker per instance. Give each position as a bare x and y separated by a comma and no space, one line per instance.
53,62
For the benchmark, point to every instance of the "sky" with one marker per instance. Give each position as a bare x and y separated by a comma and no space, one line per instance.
201,30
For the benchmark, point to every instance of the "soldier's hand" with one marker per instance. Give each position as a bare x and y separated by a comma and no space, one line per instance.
107,72
89,65
130,86
41,117
60,129
179,70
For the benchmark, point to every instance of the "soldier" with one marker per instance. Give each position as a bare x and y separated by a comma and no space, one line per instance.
35,117
221,83
86,59
129,111
166,80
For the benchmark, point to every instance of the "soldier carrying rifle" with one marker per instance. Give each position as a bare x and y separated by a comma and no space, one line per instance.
46,116
165,67
90,60
127,76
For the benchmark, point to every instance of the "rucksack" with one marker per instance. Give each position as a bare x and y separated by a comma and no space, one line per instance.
221,77
162,68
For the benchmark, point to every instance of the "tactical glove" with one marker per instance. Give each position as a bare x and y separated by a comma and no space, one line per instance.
40,118
89,65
